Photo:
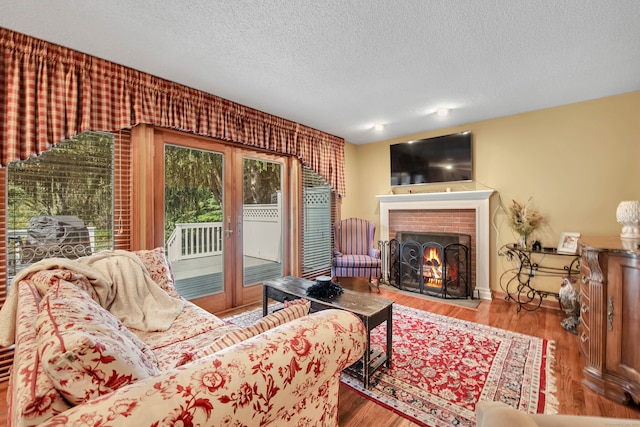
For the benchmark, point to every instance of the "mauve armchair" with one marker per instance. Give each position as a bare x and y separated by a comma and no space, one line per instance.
354,254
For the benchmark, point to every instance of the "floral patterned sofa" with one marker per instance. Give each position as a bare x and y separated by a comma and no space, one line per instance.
78,364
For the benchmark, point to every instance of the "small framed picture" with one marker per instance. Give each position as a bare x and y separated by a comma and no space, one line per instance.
568,243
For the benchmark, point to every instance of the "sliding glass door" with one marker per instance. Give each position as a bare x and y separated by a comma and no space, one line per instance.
224,211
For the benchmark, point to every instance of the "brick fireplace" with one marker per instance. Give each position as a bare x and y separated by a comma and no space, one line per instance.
464,212
457,221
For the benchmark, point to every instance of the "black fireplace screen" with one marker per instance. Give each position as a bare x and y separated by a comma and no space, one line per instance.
428,268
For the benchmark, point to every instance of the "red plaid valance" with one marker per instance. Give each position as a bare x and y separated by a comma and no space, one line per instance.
49,93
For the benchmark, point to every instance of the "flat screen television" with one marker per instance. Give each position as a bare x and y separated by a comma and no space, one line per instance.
446,158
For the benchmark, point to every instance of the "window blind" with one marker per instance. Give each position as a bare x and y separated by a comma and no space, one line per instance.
318,217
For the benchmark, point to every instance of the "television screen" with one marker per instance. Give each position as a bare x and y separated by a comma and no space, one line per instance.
445,158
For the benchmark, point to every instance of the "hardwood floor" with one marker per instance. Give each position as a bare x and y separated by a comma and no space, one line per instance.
573,397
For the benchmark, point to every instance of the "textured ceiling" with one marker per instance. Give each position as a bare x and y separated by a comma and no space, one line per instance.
342,65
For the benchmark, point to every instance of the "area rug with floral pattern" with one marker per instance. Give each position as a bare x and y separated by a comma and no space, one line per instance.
442,366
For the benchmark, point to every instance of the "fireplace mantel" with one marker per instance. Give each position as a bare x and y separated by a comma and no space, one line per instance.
437,197
478,200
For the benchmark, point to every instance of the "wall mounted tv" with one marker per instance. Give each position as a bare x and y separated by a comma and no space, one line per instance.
445,158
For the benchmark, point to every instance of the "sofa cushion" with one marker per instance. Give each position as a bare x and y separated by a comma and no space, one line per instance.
292,311
85,350
181,352
356,261
33,397
497,414
159,268
43,279
193,321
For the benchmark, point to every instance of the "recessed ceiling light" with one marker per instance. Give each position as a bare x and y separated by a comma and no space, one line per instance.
378,127
441,112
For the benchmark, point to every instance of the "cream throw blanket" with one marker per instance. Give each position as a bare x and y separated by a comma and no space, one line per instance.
122,283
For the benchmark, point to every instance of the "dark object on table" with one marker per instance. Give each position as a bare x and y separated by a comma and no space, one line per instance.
324,288
537,246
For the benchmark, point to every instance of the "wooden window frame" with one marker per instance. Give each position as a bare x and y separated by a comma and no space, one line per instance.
122,222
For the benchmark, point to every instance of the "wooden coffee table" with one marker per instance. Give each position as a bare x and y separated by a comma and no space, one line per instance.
371,310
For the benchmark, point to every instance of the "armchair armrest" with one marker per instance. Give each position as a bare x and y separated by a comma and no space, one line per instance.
283,376
374,253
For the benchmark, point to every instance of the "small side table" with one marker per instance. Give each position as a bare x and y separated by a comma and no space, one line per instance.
516,282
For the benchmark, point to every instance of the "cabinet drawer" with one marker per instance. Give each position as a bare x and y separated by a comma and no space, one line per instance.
584,336
585,309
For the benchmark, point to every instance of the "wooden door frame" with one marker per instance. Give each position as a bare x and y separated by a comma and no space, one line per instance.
234,291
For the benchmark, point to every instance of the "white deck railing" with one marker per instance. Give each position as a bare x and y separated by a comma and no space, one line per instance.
262,236
195,240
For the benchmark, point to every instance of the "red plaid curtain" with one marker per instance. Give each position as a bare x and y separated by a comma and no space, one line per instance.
49,93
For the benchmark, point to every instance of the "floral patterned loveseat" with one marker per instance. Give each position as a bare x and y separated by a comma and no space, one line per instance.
78,364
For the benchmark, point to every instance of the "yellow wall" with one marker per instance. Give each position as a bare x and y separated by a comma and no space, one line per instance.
576,162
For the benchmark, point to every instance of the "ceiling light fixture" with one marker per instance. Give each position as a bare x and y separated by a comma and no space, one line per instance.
441,112
378,127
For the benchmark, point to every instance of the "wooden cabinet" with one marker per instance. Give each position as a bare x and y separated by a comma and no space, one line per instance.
609,331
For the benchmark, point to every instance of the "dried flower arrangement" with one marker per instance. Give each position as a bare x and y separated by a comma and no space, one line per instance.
523,219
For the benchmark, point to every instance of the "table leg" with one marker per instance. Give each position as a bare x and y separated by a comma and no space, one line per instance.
389,335
265,297
366,358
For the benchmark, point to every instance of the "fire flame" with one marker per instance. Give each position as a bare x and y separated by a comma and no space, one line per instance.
432,265
432,268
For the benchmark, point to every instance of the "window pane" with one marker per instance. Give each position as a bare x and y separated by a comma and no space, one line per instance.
261,221
60,204
193,219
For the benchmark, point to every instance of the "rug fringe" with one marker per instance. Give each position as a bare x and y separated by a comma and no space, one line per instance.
551,402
